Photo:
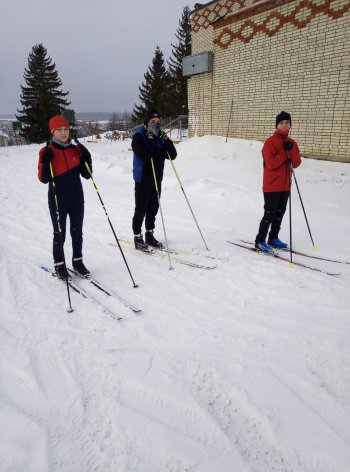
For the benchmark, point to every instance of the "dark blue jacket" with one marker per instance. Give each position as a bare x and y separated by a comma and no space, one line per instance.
144,149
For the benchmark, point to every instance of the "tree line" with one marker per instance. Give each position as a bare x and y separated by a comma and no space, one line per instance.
163,88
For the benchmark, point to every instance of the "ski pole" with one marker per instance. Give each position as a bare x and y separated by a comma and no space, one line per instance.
290,222
109,221
69,309
183,191
302,204
229,120
161,214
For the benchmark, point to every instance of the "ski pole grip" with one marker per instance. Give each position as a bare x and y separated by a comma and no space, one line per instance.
88,168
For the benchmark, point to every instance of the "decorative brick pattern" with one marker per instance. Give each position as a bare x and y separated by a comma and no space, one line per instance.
302,14
302,67
204,17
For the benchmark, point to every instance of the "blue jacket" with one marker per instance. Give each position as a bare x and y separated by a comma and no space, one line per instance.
144,149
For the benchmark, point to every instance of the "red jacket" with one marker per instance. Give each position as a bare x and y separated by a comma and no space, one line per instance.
67,166
277,173
65,159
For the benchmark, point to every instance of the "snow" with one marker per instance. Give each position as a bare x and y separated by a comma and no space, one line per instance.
241,368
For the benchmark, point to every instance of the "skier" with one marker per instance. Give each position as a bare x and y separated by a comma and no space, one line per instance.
149,141
279,152
68,163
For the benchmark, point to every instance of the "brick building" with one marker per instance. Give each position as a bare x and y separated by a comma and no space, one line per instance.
273,55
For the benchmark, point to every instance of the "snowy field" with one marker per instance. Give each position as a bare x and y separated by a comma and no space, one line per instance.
242,368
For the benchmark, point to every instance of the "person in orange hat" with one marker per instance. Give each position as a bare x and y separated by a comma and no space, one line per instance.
68,164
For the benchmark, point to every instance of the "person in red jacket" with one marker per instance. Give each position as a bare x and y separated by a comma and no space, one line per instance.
279,153
68,163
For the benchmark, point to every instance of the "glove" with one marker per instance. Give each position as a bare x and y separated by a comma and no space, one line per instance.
288,145
47,156
84,153
162,135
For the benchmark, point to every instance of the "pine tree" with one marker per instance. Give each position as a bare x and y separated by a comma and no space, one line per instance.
178,83
154,89
41,99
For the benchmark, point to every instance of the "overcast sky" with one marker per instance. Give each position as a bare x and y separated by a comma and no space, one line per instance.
101,48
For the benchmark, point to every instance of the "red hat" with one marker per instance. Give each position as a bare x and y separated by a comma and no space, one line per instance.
58,122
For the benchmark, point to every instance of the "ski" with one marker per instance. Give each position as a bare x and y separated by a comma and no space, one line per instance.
278,256
107,291
173,251
162,254
74,286
304,254
186,253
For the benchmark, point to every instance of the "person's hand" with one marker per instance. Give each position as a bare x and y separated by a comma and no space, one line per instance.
47,156
162,135
149,134
84,152
288,145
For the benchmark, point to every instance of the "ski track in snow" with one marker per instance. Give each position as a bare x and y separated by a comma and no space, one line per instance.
244,367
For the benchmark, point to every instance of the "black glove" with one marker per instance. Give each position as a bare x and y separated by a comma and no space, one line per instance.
288,145
84,153
47,156
162,135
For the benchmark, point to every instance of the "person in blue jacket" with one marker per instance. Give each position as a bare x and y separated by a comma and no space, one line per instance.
149,142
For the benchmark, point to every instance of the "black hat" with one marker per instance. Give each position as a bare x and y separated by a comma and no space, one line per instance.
284,115
149,115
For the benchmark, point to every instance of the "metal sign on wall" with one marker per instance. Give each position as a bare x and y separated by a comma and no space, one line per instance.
197,64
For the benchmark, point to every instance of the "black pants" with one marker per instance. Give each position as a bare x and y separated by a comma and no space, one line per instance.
146,205
275,207
76,216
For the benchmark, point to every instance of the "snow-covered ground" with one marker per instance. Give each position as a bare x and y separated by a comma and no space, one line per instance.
245,367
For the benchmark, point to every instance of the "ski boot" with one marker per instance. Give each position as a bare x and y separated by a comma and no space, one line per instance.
151,240
278,244
79,267
263,247
61,271
140,243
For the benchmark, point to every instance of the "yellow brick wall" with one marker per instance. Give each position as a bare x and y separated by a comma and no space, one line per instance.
302,70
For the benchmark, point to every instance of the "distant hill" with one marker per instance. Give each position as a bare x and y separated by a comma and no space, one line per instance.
86,116
93,116
7,117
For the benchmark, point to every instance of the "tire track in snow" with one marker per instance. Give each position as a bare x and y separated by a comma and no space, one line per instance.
151,398
71,447
240,423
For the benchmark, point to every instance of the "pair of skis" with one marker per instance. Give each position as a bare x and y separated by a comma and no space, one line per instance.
87,295
180,257
304,254
251,247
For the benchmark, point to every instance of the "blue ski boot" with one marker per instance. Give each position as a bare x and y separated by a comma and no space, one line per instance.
263,247
278,244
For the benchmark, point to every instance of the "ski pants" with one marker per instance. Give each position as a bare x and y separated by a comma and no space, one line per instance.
274,209
146,205
75,211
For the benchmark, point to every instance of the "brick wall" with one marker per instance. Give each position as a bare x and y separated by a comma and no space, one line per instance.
273,55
